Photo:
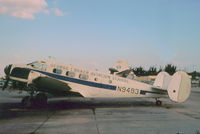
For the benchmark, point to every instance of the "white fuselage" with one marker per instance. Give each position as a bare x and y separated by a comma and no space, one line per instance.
92,84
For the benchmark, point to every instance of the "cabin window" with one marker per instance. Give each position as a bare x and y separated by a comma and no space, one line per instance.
83,76
57,71
43,67
110,81
70,74
95,79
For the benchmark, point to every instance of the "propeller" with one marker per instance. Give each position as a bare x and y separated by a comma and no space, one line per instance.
6,83
7,72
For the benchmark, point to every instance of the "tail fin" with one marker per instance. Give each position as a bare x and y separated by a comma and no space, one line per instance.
162,80
179,87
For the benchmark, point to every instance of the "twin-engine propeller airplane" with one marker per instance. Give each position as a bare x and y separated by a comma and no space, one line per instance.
48,77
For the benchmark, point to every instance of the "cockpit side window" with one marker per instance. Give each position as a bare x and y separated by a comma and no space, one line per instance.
35,65
39,66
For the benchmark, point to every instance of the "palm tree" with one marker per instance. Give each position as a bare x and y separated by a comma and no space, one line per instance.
152,71
171,69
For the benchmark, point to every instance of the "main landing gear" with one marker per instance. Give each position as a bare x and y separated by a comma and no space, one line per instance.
38,101
158,102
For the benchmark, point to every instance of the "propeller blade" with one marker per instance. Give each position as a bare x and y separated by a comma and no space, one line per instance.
7,72
6,84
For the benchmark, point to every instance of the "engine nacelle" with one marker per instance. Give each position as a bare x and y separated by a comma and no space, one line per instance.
32,76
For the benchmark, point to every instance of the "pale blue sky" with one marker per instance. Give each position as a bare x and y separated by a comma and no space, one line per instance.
96,33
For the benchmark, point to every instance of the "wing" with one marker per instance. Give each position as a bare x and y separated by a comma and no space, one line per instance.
39,81
54,86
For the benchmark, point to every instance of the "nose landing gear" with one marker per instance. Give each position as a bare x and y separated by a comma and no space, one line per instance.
27,102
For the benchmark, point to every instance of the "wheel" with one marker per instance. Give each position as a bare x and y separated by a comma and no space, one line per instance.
40,100
27,102
24,101
158,102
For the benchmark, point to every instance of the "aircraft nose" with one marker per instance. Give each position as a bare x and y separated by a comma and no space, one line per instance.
7,69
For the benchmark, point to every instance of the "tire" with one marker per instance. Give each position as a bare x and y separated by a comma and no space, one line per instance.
158,103
27,102
40,100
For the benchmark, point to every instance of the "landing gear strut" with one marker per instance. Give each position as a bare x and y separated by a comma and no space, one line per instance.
158,102
40,100
27,102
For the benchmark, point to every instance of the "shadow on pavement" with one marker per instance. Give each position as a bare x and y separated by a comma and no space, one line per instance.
14,110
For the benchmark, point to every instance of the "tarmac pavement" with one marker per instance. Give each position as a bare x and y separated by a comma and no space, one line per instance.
101,116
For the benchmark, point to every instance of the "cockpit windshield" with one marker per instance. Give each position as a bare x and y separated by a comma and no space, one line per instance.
38,65
34,64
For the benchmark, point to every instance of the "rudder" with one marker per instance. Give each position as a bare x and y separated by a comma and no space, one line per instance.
179,87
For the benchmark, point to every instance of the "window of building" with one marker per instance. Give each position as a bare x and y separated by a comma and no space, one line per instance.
83,76
57,71
70,74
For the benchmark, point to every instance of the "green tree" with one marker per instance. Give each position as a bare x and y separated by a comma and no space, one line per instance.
171,69
194,75
152,71
160,70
